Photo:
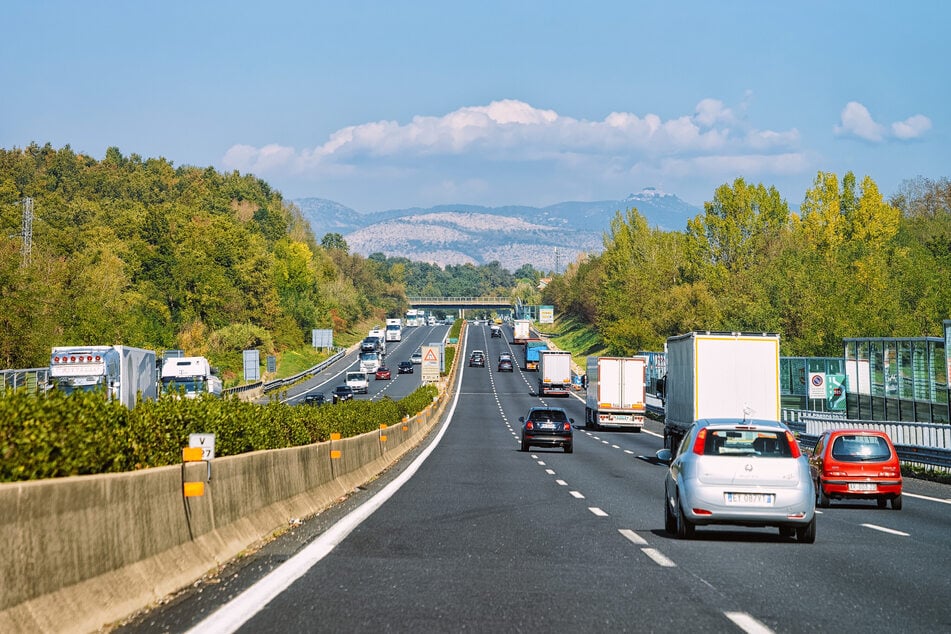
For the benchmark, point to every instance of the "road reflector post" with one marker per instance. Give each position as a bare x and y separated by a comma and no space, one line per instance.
335,435
194,489
192,454
382,435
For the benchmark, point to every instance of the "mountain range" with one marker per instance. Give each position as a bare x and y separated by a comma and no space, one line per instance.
548,238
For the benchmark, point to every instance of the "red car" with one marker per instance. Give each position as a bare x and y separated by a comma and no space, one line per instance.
857,464
383,372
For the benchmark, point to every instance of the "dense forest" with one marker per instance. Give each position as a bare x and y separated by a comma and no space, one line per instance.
134,251
849,264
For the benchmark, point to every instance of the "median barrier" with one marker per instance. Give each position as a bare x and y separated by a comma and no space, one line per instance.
79,553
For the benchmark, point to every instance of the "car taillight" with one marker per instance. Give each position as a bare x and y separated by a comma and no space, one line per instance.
702,512
529,425
793,444
700,442
567,426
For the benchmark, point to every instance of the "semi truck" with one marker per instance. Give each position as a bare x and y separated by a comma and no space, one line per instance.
616,391
532,349
190,377
394,329
554,369
719,375
124,373
522,330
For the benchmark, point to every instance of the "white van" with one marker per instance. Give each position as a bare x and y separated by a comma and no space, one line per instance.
358,382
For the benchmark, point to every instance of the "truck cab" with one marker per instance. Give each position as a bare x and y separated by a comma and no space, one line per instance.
358,382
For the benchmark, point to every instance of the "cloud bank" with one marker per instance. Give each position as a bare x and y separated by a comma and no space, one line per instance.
712,139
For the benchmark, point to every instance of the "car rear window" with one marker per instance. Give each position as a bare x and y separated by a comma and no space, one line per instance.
860,447
729,442
545,415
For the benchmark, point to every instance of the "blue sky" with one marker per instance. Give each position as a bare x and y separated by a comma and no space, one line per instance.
380,105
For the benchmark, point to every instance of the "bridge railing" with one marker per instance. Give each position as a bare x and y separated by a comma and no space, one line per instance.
452,301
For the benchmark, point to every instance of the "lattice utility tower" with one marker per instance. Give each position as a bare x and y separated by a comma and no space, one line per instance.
26,233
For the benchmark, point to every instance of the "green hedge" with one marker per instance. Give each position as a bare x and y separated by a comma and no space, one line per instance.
82,433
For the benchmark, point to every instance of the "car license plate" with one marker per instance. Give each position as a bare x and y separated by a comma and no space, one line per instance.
749,499
547,426
863,486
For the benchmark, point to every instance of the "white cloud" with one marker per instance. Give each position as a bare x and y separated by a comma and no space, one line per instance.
471,151
912,127
857,121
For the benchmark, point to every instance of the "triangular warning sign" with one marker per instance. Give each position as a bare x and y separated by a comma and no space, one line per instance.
430,355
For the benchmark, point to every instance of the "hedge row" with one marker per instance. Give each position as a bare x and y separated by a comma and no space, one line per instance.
80,434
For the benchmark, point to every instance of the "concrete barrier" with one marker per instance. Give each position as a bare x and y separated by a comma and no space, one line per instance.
79,553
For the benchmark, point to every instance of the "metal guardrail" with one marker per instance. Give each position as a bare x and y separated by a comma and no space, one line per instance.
36,380
918,443
276,384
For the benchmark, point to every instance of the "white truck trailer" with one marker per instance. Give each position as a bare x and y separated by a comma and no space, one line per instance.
126,374
189,376
616,391
554,372
719,375
522,330
394,329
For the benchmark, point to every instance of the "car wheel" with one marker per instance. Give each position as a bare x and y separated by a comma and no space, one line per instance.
896,502
569,449
807,534
685,528
821,498
670,522
787,531
524,446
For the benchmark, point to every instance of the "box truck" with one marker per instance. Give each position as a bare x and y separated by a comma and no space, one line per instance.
533,348
124,373
522,330
719,375
554,369
616,391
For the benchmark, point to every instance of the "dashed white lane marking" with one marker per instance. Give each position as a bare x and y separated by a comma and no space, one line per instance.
550,471
632,536
925,497
597,511
577,494
658,558
541,462
561,483
629,452
890,531
747,623
614,447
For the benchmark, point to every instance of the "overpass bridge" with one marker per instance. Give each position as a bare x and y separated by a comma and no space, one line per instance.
461,304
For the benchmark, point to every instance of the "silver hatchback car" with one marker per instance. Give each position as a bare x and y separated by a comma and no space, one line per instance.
740,472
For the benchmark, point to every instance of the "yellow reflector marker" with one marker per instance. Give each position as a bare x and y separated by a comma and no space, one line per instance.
405,427
383,438
383,426
335,454
335,435
191,454
194,489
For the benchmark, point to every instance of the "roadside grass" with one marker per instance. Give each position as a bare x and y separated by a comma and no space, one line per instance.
578,338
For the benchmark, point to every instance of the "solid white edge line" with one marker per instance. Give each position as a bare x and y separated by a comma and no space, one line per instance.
747,623
925,497
890,531
632,536
660,559
241,609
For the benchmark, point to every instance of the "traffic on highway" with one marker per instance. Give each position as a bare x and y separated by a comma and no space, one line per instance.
470,532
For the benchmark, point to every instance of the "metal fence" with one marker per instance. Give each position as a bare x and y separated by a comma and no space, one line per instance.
270,386
35,380
919,443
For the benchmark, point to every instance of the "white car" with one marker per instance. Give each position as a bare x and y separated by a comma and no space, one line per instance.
417,357
739,472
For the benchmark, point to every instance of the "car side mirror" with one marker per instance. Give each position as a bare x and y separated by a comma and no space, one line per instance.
664,455
521,419
571,420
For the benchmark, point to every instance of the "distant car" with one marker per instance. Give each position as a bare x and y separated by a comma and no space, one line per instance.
317,398
342,393
506,365
382,373
856,464
477,359
404,367
547,427
416,357
496,331
740,472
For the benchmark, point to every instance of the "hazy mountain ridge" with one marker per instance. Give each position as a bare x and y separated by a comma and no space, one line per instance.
548,238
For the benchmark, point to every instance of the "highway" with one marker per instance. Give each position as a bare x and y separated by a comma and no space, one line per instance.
484,538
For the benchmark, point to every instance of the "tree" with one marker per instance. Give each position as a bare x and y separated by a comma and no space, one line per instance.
334,241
